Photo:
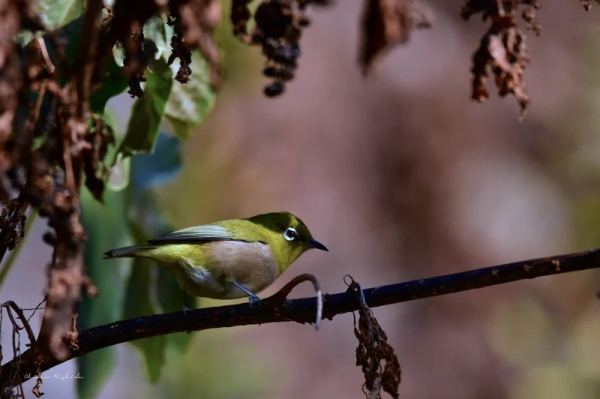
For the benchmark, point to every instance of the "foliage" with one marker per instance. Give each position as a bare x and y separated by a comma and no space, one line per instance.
60,66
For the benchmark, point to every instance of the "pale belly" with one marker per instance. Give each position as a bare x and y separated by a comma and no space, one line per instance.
249,264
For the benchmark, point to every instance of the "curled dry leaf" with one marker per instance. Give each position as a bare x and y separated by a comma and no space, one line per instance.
96,142
386,23
12,223
180,50
198,19
503,52
278,30
38,384
135,61
503,48
124,26
373,349
587,4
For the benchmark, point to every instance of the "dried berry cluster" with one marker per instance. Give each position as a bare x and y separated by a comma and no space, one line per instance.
279,25
197,22
193,22
135,61
179,50
502,49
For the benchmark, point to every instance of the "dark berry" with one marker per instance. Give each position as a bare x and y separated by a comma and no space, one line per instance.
49,238
274,89
270,72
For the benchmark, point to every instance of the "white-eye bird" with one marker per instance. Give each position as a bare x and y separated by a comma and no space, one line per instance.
231,258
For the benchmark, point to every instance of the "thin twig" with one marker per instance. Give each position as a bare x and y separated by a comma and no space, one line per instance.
280,296
26,326
42,46
304,310
38,307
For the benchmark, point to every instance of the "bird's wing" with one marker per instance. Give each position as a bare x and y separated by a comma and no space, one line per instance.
204,233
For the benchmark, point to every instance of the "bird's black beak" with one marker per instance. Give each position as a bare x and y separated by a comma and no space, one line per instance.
316,244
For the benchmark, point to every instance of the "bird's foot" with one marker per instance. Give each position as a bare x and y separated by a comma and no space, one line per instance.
186,307
254,301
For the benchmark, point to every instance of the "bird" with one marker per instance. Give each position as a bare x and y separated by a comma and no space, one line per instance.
228,259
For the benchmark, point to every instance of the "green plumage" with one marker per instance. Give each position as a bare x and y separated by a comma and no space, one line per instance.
231,258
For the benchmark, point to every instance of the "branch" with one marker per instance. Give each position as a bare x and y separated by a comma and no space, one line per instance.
273,310
65,273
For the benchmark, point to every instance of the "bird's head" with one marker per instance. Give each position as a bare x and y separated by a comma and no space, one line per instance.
287,236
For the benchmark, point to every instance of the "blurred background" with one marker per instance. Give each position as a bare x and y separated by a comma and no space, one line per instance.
402,177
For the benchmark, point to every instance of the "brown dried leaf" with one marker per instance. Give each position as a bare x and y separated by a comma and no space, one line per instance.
36,389
12,222
240,16
503,51
198,19
95,147
71,338
180,50
135,61
587,4
386,23
373,349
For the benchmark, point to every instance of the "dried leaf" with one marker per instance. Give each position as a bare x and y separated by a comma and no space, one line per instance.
504,53
135,61
12,221
373,349
587,4
198,19
240,16
502,49
96,146
386,23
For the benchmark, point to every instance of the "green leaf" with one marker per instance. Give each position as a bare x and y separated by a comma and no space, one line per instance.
139,303
170,299
114,83
147,221
58,13
159,33
189,103
106,228
160,167
147,113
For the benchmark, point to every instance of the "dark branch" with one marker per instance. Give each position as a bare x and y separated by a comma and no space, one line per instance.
304,310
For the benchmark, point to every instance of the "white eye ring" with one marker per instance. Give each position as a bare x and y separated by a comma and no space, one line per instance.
290,234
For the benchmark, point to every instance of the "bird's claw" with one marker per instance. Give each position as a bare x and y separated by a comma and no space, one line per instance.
254,301
186,307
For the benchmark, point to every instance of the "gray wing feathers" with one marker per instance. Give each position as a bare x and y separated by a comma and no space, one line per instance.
209,232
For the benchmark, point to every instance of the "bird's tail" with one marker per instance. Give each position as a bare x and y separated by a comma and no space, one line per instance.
126,252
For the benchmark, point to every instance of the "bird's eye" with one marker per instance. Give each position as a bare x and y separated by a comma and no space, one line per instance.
290,234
